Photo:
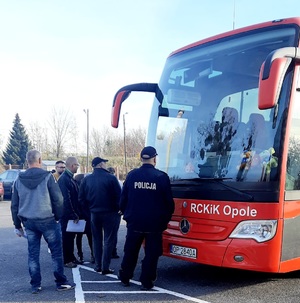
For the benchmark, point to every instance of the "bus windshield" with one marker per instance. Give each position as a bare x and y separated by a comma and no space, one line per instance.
209,124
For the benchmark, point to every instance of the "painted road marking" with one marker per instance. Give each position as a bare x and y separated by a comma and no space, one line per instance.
79,292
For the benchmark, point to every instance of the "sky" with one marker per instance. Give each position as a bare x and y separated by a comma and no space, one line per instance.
74,55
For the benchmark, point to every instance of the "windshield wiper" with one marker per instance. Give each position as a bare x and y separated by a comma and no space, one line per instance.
219,181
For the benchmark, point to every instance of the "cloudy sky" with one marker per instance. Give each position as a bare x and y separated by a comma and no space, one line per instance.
75,54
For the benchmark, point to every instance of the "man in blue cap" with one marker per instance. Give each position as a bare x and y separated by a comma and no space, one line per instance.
147,205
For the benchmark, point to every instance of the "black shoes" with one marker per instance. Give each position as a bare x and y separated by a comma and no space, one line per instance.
36,290
147,285
104,272
70,265
79,262
143,287
97,269
124,281
107,271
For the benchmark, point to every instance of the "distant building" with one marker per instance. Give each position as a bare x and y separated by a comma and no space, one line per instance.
48,164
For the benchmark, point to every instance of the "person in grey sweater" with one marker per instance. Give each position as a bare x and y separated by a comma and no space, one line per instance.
37,205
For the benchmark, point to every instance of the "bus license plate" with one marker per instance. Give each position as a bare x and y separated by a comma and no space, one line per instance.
183,251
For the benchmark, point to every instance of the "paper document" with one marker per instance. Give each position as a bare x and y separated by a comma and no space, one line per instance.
76,227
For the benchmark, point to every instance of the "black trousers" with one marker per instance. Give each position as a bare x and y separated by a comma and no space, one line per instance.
68,243
153,250
79,236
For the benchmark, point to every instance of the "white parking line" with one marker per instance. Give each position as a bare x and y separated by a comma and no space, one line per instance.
79,292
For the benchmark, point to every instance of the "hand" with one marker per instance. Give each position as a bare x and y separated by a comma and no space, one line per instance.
76,221
20,232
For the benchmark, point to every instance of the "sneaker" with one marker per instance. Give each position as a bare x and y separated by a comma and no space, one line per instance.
70,265
36,290
66,286
107,271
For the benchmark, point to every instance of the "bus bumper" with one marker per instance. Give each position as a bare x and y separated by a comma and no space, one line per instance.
245,254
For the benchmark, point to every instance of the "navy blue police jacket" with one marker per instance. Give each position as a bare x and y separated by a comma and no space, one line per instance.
146,199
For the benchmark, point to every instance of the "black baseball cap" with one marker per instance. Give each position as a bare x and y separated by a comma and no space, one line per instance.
98,160
148,152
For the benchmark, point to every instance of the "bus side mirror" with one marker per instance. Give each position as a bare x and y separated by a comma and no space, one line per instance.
272,74
120,96
124,92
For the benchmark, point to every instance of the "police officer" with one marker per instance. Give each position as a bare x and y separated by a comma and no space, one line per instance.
147,205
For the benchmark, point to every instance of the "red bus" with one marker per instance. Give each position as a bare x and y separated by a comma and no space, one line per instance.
226,124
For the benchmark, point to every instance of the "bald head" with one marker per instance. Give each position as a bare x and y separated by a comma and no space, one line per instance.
72,164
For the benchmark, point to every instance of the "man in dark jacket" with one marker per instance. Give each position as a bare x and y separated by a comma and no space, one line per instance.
147,205
69,188
37,203
101,192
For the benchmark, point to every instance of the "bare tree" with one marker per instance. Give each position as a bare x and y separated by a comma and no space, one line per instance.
135,141
1,141
104,141
63,131
109,143
61,137
39,137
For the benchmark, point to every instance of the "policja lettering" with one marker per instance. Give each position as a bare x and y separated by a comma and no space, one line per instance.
144,185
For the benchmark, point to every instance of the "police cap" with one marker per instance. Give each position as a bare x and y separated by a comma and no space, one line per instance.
98,160
148,152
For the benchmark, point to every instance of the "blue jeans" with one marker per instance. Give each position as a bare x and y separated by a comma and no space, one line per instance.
104,234
51,231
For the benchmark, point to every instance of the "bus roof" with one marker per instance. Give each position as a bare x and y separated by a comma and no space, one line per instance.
294,20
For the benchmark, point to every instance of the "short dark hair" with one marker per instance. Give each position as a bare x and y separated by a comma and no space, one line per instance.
59,162
111,170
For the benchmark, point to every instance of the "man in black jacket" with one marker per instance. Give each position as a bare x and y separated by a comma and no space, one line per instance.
69,188
147,205
101,192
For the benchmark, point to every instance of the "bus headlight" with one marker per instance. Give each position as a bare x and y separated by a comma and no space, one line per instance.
259,230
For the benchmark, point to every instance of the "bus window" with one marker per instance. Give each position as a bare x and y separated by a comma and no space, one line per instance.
293,161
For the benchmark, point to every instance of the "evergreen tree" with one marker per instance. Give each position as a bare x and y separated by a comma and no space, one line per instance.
18,144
